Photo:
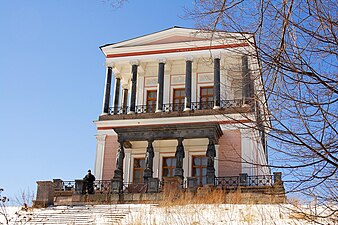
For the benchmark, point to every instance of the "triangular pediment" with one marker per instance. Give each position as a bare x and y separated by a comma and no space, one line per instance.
171,35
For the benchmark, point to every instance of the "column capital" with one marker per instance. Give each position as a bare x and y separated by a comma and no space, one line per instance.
216,55
125,85
101,138
189,58
109,64
162,60
117,75
134,62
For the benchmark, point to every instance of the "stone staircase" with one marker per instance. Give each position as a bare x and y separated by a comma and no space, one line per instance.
75,215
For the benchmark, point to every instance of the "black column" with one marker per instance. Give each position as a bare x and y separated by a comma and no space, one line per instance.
217,83
148,172
107,91
160,82
211,154
125,101
179,155
188,71
133,88
117,94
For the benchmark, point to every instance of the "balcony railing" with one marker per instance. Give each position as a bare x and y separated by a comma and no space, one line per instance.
228,182
177,107
251,181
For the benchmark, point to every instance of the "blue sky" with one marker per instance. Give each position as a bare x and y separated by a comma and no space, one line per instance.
52,78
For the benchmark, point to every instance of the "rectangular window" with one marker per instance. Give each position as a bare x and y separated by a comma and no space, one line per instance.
206,97
138,168
168,166
199,169
178,99
151,101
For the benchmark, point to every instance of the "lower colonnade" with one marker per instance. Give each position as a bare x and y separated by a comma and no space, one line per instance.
211,131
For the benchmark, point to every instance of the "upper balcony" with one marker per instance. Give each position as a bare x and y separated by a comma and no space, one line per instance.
178,110
179,72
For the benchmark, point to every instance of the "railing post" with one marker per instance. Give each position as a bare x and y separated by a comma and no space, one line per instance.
57,184
79,188
243,179
192,184
277,176
153,185
45,194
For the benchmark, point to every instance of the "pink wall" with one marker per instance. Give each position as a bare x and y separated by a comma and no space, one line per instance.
229,154
110,149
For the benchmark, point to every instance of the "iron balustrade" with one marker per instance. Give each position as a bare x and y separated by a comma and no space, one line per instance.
173,107
68,185
135,187
102,186
118,110
262,180
252,181
105,186
177,107
230,181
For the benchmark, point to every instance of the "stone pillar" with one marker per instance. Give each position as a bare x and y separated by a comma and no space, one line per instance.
133,86
179,155
44,194
217,82
100,145
277,178
125,101
243,179
188,72
160,86
105,108
148,172
211,154
117,93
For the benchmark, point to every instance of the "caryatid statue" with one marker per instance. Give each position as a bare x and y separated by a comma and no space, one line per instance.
179,155
149,156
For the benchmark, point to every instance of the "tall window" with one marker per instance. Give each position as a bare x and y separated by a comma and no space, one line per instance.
138,168
199,169
179,96
168,166
207,97
151,100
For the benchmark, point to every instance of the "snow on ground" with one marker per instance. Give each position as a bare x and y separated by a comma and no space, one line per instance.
232,214
217,214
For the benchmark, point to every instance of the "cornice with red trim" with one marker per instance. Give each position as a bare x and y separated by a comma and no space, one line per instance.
220,122
177,50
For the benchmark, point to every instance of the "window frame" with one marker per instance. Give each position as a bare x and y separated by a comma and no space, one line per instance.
141,169
171,167
200,167
150,108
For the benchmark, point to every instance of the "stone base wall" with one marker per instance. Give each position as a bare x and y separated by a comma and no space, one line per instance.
203,195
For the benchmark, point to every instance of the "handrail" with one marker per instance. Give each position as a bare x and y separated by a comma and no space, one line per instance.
105,186
176,107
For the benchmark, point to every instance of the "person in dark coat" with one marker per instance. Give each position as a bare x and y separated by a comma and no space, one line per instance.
88,183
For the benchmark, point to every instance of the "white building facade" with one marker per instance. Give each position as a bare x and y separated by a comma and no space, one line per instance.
184,103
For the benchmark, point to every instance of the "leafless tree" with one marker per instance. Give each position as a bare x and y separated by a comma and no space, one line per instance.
297,45
3,211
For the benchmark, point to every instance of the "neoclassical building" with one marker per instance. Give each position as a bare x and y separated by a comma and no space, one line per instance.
181,103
